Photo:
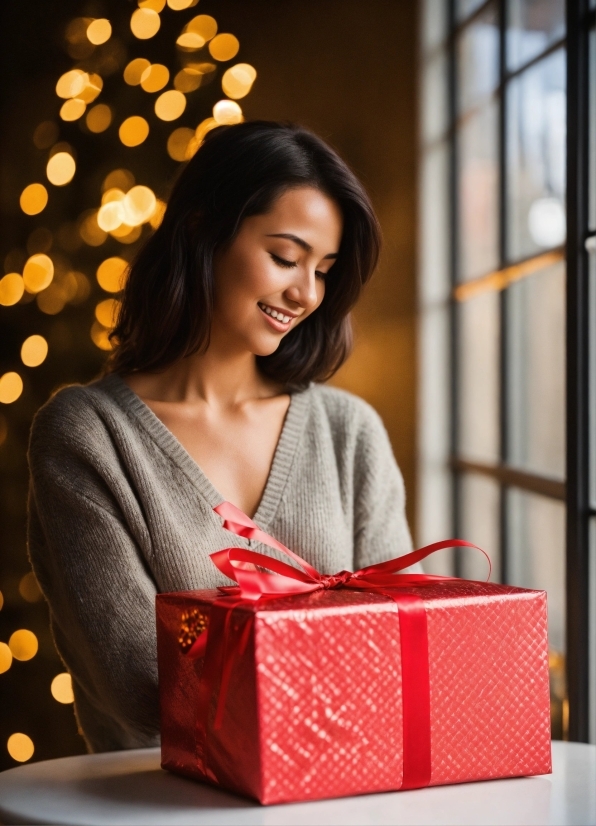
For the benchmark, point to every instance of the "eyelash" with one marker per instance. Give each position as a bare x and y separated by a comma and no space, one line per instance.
287,265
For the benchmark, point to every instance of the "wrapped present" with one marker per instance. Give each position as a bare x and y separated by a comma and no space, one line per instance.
298,686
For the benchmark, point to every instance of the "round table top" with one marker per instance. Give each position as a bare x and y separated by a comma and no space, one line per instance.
129,787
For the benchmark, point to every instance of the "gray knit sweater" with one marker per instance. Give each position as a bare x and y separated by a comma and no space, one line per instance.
119,511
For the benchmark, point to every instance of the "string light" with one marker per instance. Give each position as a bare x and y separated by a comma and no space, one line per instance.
178,143
61,168
145,23
5,657
34,351
203,25
23,644
38,273
227,112
11,387
190,41
61,688
12,288
170,105
179,5
106,312
134,71
224,47
155,77
99,118
133,131
111,274
72,109
238,80
34,199
156,5
139,204
99,31
20,747
71,83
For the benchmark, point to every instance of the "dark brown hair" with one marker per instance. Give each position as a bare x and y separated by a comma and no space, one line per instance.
167,304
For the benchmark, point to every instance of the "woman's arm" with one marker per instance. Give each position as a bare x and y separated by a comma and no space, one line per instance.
94,577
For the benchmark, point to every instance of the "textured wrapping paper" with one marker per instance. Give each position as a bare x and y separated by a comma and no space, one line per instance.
321,694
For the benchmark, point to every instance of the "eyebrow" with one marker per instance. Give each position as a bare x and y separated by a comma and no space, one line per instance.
300,241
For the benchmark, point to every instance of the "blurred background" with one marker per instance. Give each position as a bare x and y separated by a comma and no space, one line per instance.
454,114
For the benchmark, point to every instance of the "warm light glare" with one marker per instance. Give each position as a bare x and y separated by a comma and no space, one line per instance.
5,657
118,179
134,130
145,23
179,5
113,194
33,199
187,80
38,272
29,588
156,5
111,274
178,143
99,336
190,41
158,214
170,105
23,644
224,47
237,81
61,168
34,351
20,747
126,234
12,288
106,312
99,31
139,205
110,216
99,118
155,77
134,71
204,126
61,688
90,231
72,109
92,89
227,111
203,24
11,387
71,83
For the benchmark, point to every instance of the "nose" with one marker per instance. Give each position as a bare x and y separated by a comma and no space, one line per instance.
303,289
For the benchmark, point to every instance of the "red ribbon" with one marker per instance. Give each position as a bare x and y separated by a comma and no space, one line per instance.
280,579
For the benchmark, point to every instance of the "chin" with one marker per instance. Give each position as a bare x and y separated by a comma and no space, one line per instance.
265,347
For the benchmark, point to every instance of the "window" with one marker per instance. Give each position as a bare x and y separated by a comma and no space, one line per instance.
507,292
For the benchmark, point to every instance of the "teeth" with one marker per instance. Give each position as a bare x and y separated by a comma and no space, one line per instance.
275,314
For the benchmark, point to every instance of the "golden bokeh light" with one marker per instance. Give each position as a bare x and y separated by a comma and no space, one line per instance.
155,77
178,143
145,23
11,387
77,42
190,41
170,105
118,179
5,657
99,336
224,47
106,312
46,134
237,81
111,274
12,288
72,83
72,109
134,71
227,112
126,234
188,79
33,199
92,88
90,231
99,118
29,588
23,644
139,205
34,351
133,131
20,747
158,213
61,688
156,5
112,194
38,272
203,25
179,5
2,430
61,168
99,31
110,215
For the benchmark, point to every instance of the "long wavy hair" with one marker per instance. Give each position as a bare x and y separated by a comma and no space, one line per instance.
239,171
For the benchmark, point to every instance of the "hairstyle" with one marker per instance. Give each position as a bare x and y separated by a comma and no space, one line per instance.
239,171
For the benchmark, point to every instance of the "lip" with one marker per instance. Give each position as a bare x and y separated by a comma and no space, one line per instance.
277,325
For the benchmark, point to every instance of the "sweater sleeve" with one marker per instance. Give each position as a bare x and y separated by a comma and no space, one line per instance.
380,527
93,575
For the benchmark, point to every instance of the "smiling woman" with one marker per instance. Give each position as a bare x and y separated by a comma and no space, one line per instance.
233,313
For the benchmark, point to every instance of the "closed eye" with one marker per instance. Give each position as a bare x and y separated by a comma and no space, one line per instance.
283,262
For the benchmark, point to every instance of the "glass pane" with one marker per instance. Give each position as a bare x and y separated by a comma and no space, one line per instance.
434,95
464,8
434,23
536,368
478,213
536,559
478,378
592,136
479,500
532,26
536,158
478,59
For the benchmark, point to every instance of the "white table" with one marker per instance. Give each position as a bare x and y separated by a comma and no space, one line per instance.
128,788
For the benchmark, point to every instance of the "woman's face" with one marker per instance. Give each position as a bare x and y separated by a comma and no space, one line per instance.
272,276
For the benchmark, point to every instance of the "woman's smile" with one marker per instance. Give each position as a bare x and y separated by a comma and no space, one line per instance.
278,319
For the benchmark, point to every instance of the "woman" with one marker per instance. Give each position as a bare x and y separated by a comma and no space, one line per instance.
234,311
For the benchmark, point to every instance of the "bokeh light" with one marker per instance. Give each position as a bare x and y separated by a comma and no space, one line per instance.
227,112
237,81
178,143
20,747
133,131
99,31
90,231
190,41
72,109
12,288
110,215
111,274
158,213
61,688
33,199
106,312
5,657
34,351
224,47
38,272
203,25
23,644
118,179
99,336
99,118
170,105
134,71
46,134
145,23
155,77
156,5
188,80
11,387
29,588
71,83
40,240
179,5
92,88
61,168
139,205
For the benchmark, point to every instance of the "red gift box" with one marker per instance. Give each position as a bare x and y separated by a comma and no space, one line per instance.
365,682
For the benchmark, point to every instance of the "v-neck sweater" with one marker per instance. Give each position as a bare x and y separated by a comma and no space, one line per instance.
119,511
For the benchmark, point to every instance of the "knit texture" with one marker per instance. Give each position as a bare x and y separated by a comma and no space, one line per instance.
119,511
